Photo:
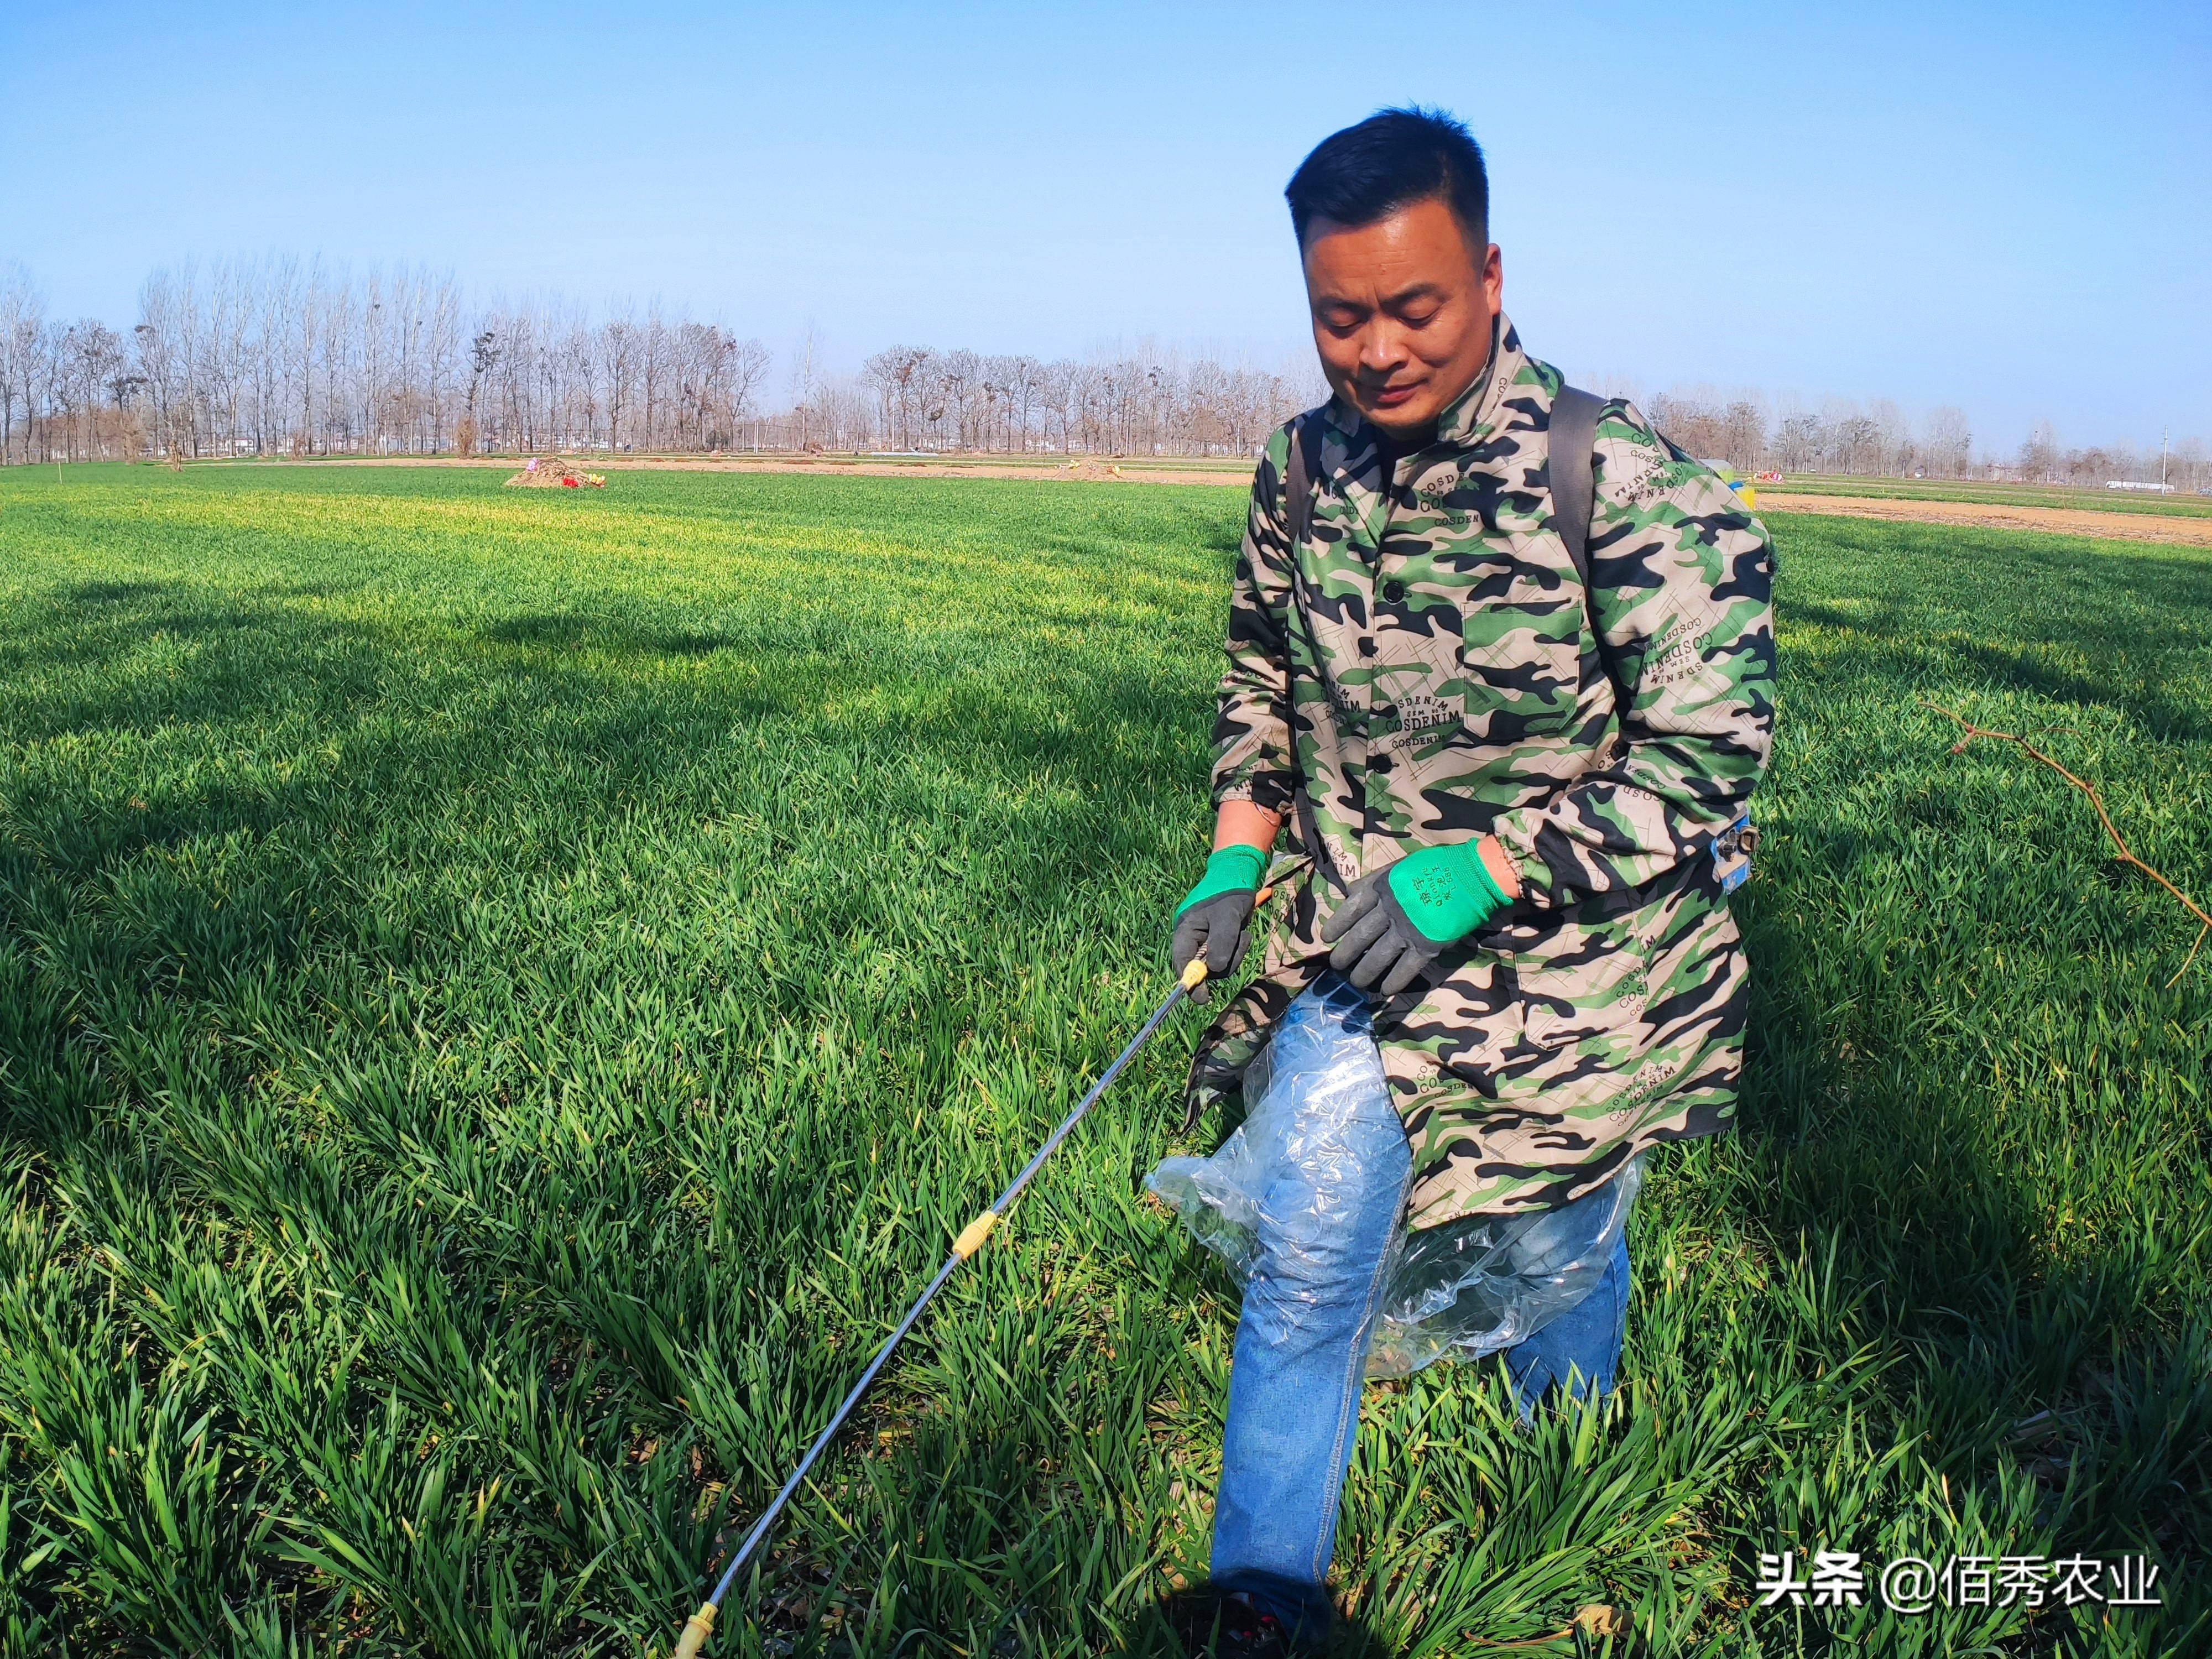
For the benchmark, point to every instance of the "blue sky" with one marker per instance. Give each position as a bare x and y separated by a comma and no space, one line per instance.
2006,207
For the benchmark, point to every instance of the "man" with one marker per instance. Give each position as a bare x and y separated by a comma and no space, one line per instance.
1514,797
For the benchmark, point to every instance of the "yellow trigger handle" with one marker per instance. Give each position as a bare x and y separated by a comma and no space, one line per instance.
696,1629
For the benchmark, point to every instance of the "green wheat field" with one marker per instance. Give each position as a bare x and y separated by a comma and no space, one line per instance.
505,996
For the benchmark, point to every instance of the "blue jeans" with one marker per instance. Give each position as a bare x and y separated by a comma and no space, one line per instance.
1309,1306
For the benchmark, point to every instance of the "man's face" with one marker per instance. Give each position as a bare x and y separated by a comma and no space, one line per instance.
1402,311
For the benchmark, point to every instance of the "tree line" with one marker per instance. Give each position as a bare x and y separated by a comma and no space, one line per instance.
1878,440
286,356
289,357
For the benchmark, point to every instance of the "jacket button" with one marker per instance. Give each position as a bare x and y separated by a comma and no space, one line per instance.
1367,647
1394,590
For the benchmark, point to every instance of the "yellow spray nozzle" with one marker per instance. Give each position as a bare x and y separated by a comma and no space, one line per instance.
1195,975
973,1235
696,1629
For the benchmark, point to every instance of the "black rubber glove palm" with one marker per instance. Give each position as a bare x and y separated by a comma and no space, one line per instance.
1220,930
1377,946
1394,923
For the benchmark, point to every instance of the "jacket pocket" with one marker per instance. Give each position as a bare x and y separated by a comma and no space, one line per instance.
1520,658
1578,983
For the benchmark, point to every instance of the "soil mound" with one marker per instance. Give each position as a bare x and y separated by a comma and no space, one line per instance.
542,474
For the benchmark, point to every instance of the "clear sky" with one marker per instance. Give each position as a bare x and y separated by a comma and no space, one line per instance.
2004,206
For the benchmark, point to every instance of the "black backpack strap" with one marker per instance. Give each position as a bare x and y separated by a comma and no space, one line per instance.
1297,514
1574,490
1297,479
1574,497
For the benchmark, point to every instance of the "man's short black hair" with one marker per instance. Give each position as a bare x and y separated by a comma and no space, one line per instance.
1393,159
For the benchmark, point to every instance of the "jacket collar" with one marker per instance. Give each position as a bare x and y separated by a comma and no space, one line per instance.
1469,418
1349,462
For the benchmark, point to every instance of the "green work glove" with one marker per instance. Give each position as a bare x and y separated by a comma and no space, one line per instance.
1215,921
1394,923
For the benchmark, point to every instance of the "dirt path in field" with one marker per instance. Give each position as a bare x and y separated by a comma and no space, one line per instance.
1087,471
2060,520
2064,521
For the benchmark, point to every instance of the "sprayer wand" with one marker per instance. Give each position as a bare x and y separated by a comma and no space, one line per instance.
700,1624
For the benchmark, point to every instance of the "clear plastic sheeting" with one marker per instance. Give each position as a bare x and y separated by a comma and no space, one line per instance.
1484,1283
1302,1160
1310,1148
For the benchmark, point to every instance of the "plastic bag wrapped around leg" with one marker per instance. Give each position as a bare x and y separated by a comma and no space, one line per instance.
1308,1155
1313,1156
1484,1283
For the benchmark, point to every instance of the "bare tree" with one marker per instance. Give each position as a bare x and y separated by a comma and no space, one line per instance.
1947,438
1743,434
90,367
2190,468
1803,440
618,354
652,369
745,373
22,320
2039,454
483,357
806,374
892,372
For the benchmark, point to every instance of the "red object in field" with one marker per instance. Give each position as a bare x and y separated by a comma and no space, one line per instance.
568,484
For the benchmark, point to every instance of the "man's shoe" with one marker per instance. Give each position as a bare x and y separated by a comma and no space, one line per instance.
1213,1626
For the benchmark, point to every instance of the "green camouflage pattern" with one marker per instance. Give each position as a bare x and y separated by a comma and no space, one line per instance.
1423,669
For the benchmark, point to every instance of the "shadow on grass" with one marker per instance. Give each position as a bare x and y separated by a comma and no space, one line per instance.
575,631
96,594
2076,626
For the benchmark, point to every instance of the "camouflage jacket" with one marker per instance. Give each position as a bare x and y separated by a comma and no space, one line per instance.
1422,668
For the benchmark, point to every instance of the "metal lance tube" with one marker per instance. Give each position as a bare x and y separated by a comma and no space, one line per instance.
700,1624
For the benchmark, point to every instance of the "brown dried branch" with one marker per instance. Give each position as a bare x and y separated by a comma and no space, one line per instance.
2119,842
